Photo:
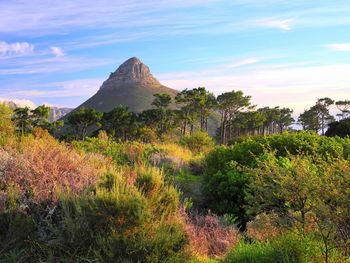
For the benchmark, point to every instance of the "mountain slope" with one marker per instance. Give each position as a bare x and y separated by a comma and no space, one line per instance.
130,85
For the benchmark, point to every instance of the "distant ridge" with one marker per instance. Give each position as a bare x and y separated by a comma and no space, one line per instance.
132,85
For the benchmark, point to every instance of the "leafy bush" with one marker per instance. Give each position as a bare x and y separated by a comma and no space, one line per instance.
339,128
287,248
199,141
226,179
310,191
225,194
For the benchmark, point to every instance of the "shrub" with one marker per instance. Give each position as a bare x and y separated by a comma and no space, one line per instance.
199,141
310,191
339,128
226,179
286,248
120,222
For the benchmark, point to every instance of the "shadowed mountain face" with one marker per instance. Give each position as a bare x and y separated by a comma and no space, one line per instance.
130,85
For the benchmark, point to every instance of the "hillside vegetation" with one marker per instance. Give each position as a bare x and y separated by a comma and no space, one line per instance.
162,191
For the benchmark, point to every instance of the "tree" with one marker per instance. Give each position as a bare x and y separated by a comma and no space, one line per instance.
271,118
308,121
118,122
339,128
188,99
6,124
204,104
285,119
344,107
83,118
161,102
230,103
322,110
39,116
22,119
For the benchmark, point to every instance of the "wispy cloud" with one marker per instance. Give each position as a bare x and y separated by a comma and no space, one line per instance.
58,52
296,87
18,48
340,47
51,64
284,24
72,88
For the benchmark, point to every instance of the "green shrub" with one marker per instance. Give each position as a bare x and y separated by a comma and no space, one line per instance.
288,248
226,181
199,141
120,222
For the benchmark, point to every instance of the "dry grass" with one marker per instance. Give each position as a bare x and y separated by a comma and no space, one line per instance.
208,237
44,167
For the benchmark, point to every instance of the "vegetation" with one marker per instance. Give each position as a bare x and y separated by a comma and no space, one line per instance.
154,187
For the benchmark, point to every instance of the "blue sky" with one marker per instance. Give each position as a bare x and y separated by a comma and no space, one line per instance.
282,53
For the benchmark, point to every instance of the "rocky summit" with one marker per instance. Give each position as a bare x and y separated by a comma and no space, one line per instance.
132,85
131,72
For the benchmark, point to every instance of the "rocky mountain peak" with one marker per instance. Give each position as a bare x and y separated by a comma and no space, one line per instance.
131,72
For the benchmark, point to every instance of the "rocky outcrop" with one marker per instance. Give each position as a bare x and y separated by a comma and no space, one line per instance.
132,72
57,113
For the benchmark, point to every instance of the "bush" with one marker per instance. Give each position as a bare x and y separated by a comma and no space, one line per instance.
120,221
198,142
226,178
287,248
339,128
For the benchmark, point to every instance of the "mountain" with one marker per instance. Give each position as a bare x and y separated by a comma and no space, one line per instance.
132,85
57,113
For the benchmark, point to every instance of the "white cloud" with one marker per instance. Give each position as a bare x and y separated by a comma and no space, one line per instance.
243,62
58,52
340,47
18,48
20,102
273,23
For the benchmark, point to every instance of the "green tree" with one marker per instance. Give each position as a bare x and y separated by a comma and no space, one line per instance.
344,107
40,116
119,122
285,119
322,110
308,120
230,104
22,119
339,128
161,102
83,118
188,99
6,124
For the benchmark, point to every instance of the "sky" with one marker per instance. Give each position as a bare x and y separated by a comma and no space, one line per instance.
282,53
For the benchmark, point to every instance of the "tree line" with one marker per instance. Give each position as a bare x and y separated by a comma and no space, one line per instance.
236,114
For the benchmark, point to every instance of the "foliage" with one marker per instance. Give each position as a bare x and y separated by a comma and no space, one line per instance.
83,118
119,123
284,248
6,124
198,142
230,104
339,128
26,119
226,182
121,222
306,189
